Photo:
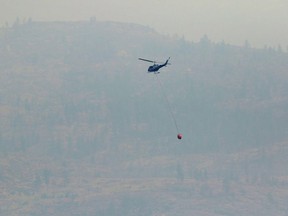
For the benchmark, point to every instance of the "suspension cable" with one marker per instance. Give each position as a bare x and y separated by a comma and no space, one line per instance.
168,103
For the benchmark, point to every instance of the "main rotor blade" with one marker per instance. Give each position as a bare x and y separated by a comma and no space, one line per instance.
164,62
146,60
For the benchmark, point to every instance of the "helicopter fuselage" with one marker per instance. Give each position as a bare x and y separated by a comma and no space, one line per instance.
154,68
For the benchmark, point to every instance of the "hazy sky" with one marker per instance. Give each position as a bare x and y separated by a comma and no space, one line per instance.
261,22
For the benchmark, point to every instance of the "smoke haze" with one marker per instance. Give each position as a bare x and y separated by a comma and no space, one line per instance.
261,22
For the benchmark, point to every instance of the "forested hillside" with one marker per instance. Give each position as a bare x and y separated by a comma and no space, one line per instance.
83,122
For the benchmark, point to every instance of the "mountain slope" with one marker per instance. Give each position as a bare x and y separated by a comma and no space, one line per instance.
85,76
83,123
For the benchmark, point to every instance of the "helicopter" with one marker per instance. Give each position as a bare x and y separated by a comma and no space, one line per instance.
155,67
